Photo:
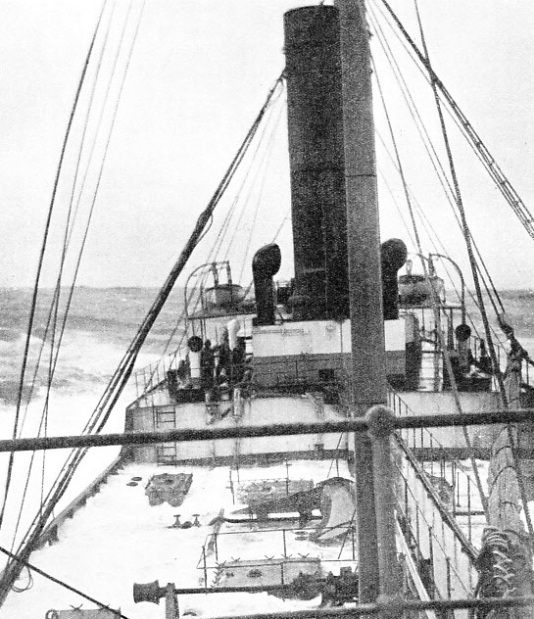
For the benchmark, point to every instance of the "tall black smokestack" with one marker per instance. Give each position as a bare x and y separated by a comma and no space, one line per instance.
315,122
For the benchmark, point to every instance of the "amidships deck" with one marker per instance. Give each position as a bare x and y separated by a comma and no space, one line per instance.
120,539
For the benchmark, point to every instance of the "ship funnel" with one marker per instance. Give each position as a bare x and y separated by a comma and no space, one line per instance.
316,152
265,265
393,256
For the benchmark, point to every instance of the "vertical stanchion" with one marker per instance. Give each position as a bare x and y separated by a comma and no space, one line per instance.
205,565
431,557
171,603
469,520
369,385
381,426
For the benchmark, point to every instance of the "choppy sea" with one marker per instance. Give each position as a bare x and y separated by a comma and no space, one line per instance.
100,325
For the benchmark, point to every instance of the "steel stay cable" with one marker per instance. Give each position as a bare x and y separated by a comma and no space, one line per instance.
422,216
40,515
225,225
100,173
426,224
438,168
414,112
70,224
259,173
41,256
435,309
55,300
266,162
222,235
426,139
212,256
48,576
501,181
474,270
460,121
57,288
126,366
429,228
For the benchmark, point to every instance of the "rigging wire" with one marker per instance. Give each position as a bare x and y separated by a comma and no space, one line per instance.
467,237
438,168
68,234
250,174
434,240
42,516
68,240
211,257
502,183
41,258
95,192
62,583
436,163
267,164
122,374
461,121
435,307
212,254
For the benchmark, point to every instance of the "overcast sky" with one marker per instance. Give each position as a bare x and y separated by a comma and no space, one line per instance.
199,72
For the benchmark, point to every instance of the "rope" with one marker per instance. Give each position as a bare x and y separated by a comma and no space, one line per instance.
436,163
123,372
41,260
95,193
474,270
435,308
37,570
43,515
55,301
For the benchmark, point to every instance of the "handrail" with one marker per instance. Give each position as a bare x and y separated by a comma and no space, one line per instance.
467,547
210,434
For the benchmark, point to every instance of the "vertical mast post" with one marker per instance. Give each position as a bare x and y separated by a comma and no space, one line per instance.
369,386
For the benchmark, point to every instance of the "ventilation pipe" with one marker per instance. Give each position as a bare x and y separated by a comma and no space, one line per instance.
393,255
265,265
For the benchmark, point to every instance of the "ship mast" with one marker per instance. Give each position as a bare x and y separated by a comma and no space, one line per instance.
369,386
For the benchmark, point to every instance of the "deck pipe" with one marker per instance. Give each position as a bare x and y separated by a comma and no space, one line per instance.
316,152
265,265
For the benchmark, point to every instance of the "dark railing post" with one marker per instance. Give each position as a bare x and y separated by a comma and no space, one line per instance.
171,603
381,426
205,565
469,519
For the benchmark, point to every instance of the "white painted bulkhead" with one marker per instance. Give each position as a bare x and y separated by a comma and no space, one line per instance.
259,411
